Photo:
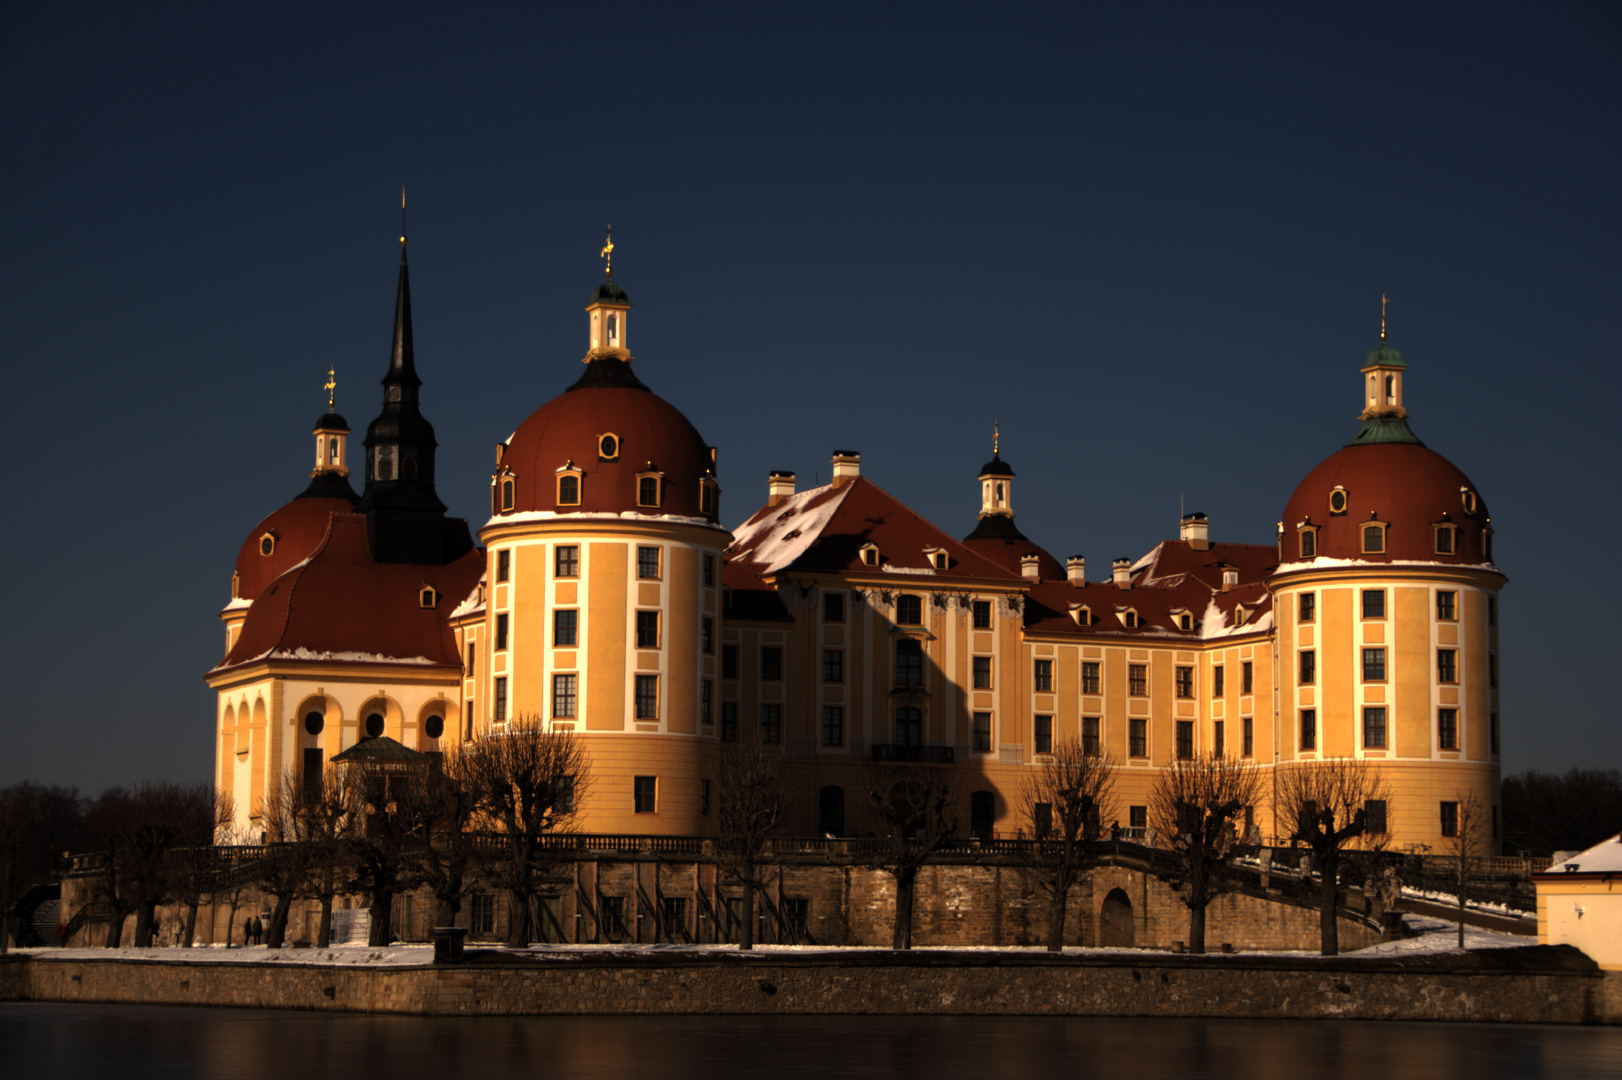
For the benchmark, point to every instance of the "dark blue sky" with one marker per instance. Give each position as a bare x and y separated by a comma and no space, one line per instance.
1149,239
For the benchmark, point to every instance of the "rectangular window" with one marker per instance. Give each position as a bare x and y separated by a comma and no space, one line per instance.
1492,729
1447,729
909,662
484,913
1185,682
771,724
771,662
647,563
1137,730
1446,604
729,661
833,607
704,810
565,627
563,696
982,673
1447,665
1137,679
1373,603
467,719
1307,605
1444,540
797,917
1185,739
833,665
1089,677
1492,611
1248,736
472,656
613,909
1044,734
833,725
1450,819
729,721
1089,736
706,702
909,610
501,698
647,697
1492,670
647,629
1218,743
982,614
706,634
982,732
1044,677
1309,667
566,561
565,800
1374,727
1041,819
1247,677
1309,543
1373,539
501,632
1374,817
1217,681
1309,729
1374,665
709,569
645,792
504,561
1137,817
647,491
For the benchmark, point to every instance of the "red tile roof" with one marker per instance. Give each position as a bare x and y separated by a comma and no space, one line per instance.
298,529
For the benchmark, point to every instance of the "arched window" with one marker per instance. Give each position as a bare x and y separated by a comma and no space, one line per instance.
568,491
831,811
332,451
982,814
506,494
1390,389
909,725
613,328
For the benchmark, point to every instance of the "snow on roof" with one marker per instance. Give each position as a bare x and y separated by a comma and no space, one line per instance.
778,535
239,603
1604,857
1214,624
301,653
578,515
890,569
473,603
1323,562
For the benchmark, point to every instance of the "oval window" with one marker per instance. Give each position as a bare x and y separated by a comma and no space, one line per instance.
266,545
434,726
374,725
1469,498
314,722
1337,501
609,447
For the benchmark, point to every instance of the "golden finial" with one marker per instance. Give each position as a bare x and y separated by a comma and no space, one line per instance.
402,218
1382,318
608,251
332,386
995,436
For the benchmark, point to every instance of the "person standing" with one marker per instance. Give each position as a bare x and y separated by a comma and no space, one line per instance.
247,931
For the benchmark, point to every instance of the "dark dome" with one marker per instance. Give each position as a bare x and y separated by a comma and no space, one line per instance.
996,467
1408,486
997,538
607,399
297,529
331,421
609,292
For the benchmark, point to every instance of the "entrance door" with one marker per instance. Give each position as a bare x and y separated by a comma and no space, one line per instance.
1116,930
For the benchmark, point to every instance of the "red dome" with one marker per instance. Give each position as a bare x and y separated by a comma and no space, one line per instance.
571,428
295,531
1409,487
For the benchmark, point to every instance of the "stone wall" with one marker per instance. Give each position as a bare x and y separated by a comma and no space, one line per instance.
1537,984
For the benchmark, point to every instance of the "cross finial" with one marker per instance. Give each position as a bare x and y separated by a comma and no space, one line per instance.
995,437
332,386
1382,318
608,252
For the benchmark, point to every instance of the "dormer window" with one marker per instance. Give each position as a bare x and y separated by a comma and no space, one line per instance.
938,558
1129,618
1374,538
236,584
870,554
569,478
649,488
1184,619
1468,498
1308,535
1444,539
709,497
267,544
428,597
506,494
1239,615
1337,501
608,447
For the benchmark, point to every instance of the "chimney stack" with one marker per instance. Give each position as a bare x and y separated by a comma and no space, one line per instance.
847,466
1123,573
1075,568
1196,530
1030,567
779,486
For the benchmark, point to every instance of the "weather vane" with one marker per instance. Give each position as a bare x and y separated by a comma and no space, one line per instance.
332,386
995,436
608,251
1382,318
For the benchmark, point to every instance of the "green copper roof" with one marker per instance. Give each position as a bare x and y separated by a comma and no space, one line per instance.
1384,429
1384,356
381,749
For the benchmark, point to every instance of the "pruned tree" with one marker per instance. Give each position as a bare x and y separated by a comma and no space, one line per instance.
528,782
284,869
451,858
319,813
1325,805
916,806
1067,798
136,829
193,862
751,808
1196,804
387,845
1467,844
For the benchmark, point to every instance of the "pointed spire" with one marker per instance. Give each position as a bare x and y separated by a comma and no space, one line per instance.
402,361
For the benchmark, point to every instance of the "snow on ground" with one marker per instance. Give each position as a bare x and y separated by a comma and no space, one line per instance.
1430,937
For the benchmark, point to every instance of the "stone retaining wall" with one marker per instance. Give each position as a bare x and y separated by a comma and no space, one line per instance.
1537,984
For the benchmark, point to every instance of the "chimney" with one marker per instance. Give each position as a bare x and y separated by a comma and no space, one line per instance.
1075,568
847,466
1230,578
1196,531
1030,567
1123,573
779,486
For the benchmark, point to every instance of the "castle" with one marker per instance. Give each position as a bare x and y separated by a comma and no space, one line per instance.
606,596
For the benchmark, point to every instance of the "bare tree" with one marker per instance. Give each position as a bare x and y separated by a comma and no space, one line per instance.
136,830
37,823
285,867
450,858
234,875
917,810
1066,800
752,797
1468,843
1196,804
528,782
193,862
319,813
1549,812
1325,805
387,848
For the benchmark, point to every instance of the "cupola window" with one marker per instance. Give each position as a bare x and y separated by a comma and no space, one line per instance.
267,544
1444,540
1468,498
1374,538
649,485
569,485
428,596
608,448
708,503
1337,501
1309,542
506,495
332,450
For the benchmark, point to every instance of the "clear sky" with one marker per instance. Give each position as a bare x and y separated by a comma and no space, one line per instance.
1149,239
